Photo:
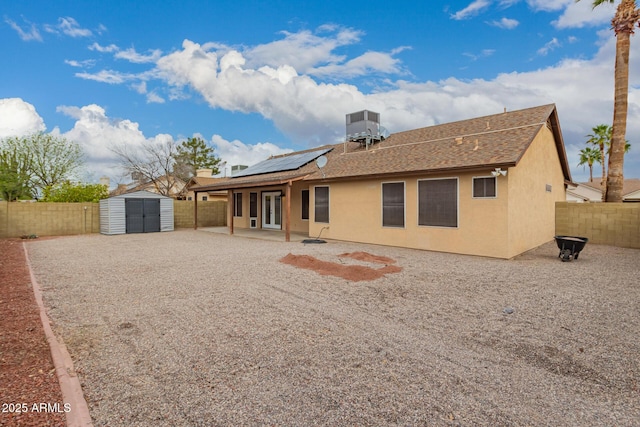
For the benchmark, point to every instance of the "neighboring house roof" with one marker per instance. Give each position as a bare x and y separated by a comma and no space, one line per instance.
630,188
202,180
140,194
177,187
199,181
494,141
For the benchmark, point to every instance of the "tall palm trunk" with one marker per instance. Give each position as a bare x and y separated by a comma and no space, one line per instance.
615,177
624,21
603,181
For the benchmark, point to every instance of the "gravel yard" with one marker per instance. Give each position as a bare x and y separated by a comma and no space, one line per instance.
190,328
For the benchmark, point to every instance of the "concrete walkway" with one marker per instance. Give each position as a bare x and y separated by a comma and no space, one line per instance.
261,234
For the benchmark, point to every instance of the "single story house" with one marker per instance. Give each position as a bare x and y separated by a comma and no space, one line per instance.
485,186
170,184
592,191
204,177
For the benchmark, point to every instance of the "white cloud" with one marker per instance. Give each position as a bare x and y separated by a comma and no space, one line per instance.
70,27
132,56
238,153
473,9
154,98
99,135
485,53
108,76
505,23
303,50
551,5
87,63
367,63
29,34
548,47
103,49
18,118
581,14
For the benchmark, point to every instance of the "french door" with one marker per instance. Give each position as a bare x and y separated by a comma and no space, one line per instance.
272,210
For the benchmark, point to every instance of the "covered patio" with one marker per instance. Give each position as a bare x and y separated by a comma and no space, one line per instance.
260,234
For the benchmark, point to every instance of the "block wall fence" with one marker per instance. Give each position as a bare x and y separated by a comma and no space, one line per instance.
60,219
615,224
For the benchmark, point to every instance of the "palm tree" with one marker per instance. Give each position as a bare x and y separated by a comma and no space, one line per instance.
626,17
589,156
601,138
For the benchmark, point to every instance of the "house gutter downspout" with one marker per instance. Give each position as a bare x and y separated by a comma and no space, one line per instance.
287,223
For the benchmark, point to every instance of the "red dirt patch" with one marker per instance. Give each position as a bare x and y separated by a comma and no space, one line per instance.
27,374
365,256
354,273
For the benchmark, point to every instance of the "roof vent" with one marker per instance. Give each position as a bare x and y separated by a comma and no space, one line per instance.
364,127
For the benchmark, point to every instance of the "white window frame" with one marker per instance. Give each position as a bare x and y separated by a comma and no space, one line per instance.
235,205
495,183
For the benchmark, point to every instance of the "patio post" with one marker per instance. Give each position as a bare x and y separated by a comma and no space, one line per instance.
230,205
287,221
195,210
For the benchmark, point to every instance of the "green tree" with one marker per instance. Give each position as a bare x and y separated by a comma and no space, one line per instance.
14,175
623,23
194,154
51,159
68,192
600,138
589,156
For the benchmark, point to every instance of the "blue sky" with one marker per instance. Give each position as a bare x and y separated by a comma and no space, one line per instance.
260,78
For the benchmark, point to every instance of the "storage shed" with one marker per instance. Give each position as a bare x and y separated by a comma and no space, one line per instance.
137,212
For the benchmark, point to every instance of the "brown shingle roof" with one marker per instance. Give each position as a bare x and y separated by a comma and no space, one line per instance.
498,140
629,186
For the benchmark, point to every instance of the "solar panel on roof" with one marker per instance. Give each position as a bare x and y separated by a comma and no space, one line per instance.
281,164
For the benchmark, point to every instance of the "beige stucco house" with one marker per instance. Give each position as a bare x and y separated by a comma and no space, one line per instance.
203,178
484,186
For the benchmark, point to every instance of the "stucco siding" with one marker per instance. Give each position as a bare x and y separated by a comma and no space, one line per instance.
531,206
356,215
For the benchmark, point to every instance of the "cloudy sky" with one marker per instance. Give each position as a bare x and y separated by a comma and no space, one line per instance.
260,78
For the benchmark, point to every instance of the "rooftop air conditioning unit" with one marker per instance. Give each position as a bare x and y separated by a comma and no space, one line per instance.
364,127
363,123
237,169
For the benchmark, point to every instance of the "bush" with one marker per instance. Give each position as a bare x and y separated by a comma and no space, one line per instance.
75,193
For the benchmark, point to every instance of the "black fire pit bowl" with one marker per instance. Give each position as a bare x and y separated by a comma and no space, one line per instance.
570,246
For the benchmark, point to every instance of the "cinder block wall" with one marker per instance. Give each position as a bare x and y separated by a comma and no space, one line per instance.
616,224
210,214
48,219
59,219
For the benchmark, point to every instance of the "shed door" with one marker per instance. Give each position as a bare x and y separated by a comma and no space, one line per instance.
142,215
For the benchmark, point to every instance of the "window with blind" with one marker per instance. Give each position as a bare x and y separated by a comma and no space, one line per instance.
305,204
393,204
484,187
438,202
321,203
237,204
